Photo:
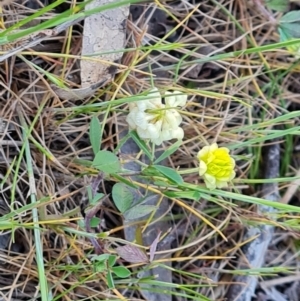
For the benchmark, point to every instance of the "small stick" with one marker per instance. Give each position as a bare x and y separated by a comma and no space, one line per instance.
243,287
92,212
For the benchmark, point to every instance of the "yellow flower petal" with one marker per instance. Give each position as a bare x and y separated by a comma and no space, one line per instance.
232,176
221,184
213,147
203,152
232,162
216,166
202,168
210,181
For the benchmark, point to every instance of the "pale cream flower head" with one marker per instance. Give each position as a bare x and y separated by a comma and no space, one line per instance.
156,121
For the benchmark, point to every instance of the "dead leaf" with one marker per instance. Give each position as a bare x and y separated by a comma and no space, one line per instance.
154,246
103,32
132,254
77,94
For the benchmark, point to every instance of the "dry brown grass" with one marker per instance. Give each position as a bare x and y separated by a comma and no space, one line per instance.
224,95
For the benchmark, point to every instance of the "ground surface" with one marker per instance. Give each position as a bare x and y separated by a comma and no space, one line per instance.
241,95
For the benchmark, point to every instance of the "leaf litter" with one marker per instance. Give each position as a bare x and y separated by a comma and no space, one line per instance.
64,135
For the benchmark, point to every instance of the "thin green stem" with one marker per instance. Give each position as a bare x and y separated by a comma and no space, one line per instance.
37,235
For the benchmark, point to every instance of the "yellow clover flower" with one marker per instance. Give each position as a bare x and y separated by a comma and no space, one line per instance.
216,166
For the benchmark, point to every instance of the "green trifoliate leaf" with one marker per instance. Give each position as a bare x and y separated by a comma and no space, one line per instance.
278,5
289,29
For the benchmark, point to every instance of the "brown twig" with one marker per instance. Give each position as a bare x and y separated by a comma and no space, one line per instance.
254,252
93,211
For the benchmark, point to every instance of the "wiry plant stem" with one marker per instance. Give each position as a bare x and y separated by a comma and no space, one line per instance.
37,235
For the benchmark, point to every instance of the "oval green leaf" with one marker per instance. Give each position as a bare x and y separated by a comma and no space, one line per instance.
107,162
95,134
141,144
122,197
101,257
169,173
290,17
125,181
95,221
121,272
191,195
167,153
110,280
99,267
291,31
139,211
112,260
96,198
278,5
